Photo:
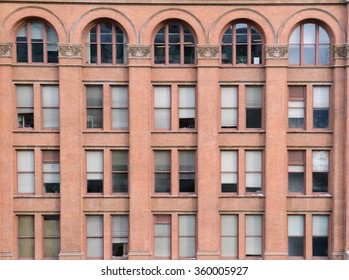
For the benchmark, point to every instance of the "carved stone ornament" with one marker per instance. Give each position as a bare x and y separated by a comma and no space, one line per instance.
276,52
341,51
207,51
69,50
139,51
6,49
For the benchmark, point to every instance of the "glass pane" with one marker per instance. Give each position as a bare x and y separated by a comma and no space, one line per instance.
320,246
241,54
22,52
93,54
253,225
37,52
120,118
253,182
51,247
94,161
52,53
162,182
121,53
256,54
94,247
51,35
24,96
51,178
321,97
320,182
22,34
253,246
94,226
228,161
160,36
187,160
229,177
296,225
93,35
51,167
94,96
120,36
187,97
36,31
174,54
227,37
51,118
253,118
26,248
187,182
227,54
189,55
120,182
119,96
50,96
229,225
51,226
253,161
106,53
162,97
256,37
229,97
162,118
320,225
320,161
94,118
295,182
187,246
295,37
106,38
241,33
229,246
162,160
159,55
25,183
25,226
320,118
253,96
309,33
162,247
309,54
162,230
296,246
187,225
229,118
294,54
324,54
120,161
25,161
120,226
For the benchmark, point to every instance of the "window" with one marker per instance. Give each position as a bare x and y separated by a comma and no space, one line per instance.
174,44
94,163
94,106
25,106
36,42
162,107
26,237
50,106
253,171
51,236
162,171
320,235
296,162
25,171
187,171
187,236
120,171
94,236
321,104
254,107
119,236
320,171
119,107
296,106
229,107
309,44
106,44
186,107
296,235
162,236
229,169
253,235
229,238
51,171
242,44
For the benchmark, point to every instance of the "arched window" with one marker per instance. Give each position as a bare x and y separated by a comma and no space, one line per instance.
242,44
309,44
174,44
106,44
36,42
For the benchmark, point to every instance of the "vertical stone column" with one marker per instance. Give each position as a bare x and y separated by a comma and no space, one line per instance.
7,159
72,187
140,152
275,154
208,157
338,97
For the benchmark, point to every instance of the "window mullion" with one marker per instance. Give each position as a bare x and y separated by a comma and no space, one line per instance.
99,50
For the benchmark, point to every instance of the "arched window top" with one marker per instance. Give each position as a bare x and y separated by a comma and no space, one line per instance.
309,44
242,44
174,43
106,44
36,42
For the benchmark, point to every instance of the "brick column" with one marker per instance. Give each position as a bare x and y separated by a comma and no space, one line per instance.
72,187
140,245
7,159
275,184
208,158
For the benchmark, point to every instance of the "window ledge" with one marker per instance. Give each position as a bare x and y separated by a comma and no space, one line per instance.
262,131
325,195
36,131
260,195
309,132
33,196
98,196
105,131
175,196
174,131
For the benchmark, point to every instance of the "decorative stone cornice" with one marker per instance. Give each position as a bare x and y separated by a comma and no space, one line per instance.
207,51
276,52
341,51
6,49
70,50
139,51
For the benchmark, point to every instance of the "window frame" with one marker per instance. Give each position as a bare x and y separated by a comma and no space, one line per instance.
322,108
25,172
94,172
157,172
255,236
297,99
162,219
45,237
120,172
119,107
92,107
45,172
156,108
327,236
230,108
87,236
235,172
187,236
166,44
124,256
21,237
328,152
232,216
187,172
296,236
297,164
255,107
18,108
194,88
254,172
43,108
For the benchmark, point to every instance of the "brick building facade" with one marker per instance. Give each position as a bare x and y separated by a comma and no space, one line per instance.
174,129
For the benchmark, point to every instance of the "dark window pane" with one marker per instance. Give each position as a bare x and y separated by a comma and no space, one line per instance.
227,37
189,55
254,118
252,189
295,182
241,54
119,249
296,122
106,38
106,53
162,182
320,118
229,187
174,38
52,56
93,53
187,182
22,52
93,35
320,182
173,28
320,246
159,56
37,52
120,53
187,123
26,120
160,36
94,186
174,54
120,182
227,54
51,187
256,54
94,118
295,246
241,33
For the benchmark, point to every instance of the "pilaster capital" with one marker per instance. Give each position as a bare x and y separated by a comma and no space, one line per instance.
276,52
341,51
70,50
5,49
207,51
139,51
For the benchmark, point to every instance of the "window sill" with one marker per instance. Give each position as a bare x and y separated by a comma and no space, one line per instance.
247,195
181,131
30,130
235,131
101,131
322,195
327,131
33,196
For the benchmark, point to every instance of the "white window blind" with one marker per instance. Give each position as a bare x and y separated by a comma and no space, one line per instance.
229,229
187,233
253,235
36,31
50,104
162,107
321,98
94,234
229,166
320,225
24,96
162,240
119,107
94,161
296,225
296,109
187,102
320,161
254,96
25,169
229,103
